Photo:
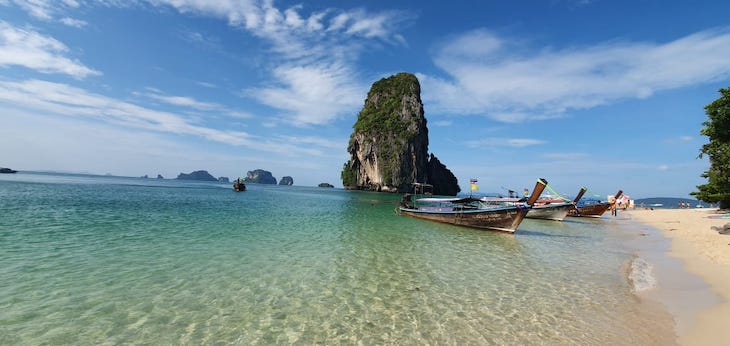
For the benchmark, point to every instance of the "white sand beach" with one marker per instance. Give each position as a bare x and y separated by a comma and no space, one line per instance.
705,253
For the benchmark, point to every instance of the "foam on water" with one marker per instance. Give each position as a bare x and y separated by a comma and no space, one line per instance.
641,275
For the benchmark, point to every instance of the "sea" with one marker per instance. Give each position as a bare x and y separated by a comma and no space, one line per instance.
96,260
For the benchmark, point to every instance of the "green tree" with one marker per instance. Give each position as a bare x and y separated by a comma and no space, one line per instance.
717,128
348,175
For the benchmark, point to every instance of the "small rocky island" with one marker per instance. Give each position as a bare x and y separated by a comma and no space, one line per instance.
287,180
389,145
260,176
223,180
7,170
197,175
328,185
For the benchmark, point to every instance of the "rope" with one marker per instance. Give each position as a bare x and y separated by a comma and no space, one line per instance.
556,194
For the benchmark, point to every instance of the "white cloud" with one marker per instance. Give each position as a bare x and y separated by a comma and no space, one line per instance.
71,102
30,49
686,138
496,76
313,94
76,23
504,142
313,53
663,168
442,123
565,156
305,48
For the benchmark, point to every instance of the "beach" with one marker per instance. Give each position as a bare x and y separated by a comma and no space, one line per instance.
705,253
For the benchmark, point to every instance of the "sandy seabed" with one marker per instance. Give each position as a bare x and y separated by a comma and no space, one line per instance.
704,252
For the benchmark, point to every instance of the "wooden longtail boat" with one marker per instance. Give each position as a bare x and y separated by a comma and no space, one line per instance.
551,211
469,212
592,208
239,185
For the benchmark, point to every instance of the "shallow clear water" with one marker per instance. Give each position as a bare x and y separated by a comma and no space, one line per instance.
93,260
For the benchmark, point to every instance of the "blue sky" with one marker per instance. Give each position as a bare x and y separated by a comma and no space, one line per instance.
603,94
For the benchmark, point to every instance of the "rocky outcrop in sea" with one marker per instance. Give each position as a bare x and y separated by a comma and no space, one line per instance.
223,180
197,175
327,185
287,180
260,176
159,176
389,145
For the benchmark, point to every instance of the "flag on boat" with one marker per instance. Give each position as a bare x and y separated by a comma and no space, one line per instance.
473,184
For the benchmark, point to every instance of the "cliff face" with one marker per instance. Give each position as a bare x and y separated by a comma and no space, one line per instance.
389,145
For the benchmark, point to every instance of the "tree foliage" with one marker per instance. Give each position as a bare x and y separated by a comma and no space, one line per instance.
348,175
717,129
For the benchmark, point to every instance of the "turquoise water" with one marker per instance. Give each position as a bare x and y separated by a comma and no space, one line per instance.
108,260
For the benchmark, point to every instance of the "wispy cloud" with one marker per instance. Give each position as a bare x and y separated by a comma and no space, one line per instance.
504,142
33,50
190,103
686,138
498,77
565,156
313,78
76,23
311,54
65,100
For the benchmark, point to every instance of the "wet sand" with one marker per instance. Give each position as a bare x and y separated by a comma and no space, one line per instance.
704,252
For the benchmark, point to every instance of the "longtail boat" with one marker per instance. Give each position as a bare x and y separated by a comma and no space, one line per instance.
239,185
592,208
550,210
468,211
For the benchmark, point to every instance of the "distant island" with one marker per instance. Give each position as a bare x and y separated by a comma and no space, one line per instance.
287,180
669,202
197,175
260,176
223,180
325,185
7,170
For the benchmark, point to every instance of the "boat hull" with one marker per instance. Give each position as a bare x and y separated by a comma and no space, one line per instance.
594,210
553,211
496,219
239,187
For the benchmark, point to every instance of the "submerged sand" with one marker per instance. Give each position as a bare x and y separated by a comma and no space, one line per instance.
704,252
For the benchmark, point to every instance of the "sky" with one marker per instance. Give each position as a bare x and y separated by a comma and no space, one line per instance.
607,94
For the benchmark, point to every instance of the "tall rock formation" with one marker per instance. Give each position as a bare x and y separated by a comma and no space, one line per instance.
260,176
287,180
389,145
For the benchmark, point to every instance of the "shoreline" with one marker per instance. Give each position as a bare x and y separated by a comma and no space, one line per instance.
705,253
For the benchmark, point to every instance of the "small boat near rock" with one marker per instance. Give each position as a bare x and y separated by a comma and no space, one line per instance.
468,211
239,185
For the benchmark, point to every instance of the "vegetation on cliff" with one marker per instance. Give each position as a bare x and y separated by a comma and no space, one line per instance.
389,145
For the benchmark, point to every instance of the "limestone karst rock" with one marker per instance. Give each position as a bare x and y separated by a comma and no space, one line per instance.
389,145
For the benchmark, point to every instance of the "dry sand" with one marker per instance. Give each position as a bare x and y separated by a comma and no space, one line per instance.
705,253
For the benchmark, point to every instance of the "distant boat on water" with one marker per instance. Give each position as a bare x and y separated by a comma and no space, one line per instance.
7,170
468,211
239,185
